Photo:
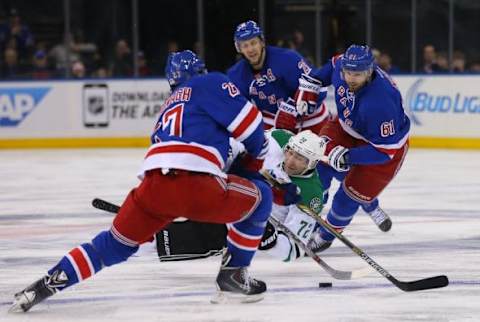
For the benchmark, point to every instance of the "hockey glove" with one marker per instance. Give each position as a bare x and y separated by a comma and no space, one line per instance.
307,94
286,194
269,238
338,158
286,117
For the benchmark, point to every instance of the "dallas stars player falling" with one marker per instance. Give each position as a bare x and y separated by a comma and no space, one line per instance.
293,159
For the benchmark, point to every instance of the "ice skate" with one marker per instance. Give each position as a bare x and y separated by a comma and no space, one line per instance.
381,219
234,285
38,291
317,244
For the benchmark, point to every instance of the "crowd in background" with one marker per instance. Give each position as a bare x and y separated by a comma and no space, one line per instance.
23,57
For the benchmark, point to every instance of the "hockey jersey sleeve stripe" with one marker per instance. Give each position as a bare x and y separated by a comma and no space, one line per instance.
246,122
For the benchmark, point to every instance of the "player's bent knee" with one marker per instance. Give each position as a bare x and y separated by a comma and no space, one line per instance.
264,208
111,250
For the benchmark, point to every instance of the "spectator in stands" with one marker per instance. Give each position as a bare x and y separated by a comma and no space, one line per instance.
385,63
10,69
171,46
458,62
286,43
475,67
100,72
429,59
299,42
19,33
122,64
78,69
442,65
59,54
40,69
143,69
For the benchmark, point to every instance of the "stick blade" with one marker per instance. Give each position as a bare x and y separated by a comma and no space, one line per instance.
424,284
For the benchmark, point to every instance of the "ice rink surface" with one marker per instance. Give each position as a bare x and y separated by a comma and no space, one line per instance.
434,203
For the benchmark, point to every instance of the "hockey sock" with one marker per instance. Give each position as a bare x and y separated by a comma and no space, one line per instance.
89,258
369,207
341,214
244,237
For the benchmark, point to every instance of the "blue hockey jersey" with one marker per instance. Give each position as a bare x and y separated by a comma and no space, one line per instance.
374,114
274,83
196,122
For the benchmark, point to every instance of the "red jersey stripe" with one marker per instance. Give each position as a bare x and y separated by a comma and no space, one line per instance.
180,148
246,122
81,262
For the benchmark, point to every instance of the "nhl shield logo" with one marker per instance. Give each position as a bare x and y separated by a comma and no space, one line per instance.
316,204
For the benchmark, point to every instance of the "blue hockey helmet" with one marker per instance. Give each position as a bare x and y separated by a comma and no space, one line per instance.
245,31
182,65
357,58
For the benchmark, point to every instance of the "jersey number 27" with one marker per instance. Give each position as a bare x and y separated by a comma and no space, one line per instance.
173,119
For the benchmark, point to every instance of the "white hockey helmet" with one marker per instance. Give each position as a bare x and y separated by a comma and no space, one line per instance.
308,145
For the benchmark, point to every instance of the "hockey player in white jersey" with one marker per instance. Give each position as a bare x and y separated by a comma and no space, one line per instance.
293,159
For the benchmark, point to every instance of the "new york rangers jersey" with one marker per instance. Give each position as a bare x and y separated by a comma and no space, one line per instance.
275,82
374,114
196,122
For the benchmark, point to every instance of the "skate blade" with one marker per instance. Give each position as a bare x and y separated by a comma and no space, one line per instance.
16,308
19,301
221,297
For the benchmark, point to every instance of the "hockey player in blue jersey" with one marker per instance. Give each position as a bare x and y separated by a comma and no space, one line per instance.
279,81
368,142
182,176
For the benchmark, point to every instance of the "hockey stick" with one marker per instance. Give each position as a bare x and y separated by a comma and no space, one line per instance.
336,274
418,285
105,205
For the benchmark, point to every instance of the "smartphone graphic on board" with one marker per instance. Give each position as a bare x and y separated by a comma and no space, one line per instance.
96,107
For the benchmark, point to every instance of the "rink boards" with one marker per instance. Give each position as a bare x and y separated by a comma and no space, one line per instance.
444,110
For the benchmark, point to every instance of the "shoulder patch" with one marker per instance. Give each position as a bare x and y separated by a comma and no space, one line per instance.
316,204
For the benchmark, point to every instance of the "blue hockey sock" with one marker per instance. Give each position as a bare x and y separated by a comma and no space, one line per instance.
244,237
369,207
89,258
341,214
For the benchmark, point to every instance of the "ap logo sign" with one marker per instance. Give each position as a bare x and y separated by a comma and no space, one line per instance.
17,103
